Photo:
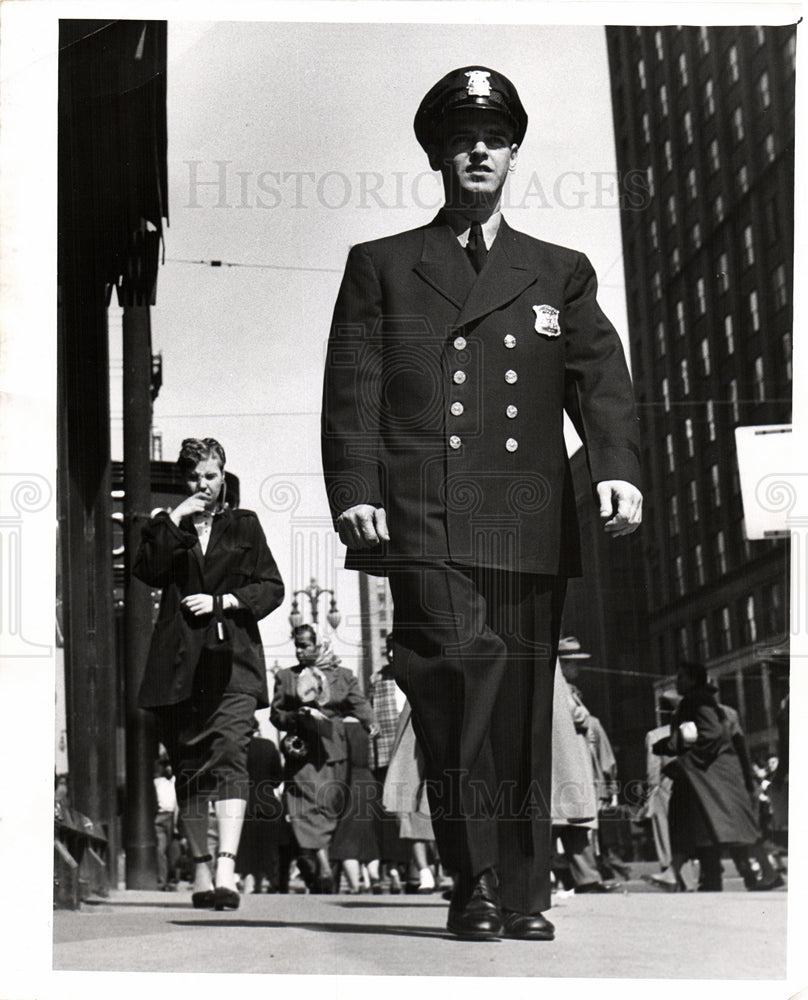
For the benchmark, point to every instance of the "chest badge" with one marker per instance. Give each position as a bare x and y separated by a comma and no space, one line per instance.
547,321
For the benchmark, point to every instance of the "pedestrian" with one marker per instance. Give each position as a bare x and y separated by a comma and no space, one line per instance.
354,846
165,824
258,851
454,350
710,807
309,704
205,673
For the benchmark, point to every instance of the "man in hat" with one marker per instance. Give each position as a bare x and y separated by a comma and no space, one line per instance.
454,350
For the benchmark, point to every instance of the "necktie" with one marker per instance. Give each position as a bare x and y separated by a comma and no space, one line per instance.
475,248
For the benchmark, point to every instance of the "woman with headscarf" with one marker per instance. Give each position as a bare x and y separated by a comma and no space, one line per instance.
710,807
310,701
205,675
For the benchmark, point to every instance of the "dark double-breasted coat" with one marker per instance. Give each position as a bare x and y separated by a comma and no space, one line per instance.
444,398
237,561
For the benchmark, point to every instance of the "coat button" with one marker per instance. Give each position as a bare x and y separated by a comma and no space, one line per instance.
511,411
457,408
459,377
455,442
511,376
511,444
509,340
460,343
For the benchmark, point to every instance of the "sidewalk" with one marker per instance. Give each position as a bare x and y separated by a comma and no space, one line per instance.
634,933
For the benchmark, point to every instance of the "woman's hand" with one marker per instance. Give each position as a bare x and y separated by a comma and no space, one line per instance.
194,504
198,604
374,730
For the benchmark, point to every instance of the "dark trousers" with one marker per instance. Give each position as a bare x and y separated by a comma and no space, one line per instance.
474,651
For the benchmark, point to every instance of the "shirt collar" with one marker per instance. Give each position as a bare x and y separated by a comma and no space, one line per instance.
461,226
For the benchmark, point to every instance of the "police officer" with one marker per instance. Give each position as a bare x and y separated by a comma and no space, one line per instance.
454,351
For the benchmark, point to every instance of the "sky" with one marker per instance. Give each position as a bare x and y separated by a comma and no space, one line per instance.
287,144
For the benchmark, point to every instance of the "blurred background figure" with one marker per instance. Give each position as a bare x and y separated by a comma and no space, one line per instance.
310,702
354,847
165,824
258,852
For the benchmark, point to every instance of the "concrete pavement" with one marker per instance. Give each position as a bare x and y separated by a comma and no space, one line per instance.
628,934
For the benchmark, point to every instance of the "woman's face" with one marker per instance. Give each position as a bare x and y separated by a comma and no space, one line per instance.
306,649
684,682
207,479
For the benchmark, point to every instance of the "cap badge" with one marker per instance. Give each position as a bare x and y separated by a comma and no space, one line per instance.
547,321
478,85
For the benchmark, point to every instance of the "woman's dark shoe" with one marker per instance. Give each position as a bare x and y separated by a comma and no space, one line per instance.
204,900
322,884
526,926
225,899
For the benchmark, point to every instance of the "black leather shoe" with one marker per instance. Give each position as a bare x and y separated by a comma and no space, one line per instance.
476,914
596,887
526,926
204,900
225,899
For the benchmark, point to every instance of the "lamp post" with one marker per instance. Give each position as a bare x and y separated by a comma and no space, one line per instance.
314,591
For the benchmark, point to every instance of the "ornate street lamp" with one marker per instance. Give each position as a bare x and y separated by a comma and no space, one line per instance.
313,592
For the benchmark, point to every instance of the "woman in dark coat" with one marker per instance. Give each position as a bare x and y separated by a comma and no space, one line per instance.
710,807
205,674
310,702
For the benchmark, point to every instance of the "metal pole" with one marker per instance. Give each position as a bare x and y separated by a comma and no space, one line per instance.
141,742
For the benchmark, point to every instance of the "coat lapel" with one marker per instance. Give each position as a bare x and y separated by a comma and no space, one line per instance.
221,525
444,265
505,275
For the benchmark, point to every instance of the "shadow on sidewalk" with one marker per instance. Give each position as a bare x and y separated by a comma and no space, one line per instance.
390,930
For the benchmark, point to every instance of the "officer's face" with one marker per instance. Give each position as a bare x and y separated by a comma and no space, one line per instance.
207,479
475,156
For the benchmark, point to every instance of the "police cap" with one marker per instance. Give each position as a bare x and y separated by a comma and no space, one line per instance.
471,87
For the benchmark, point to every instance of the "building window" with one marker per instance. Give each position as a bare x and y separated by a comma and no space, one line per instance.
733,64
658,43
723,273
737,124
676,260
715,487
726,631
702,640
780,287
704,41
698,560
688,124
718,208
729,334
742,179
654,231
787,354
733,400
709,99
721,553
710,420
715,160
760,382
754,310
673,520
764,90
680,318
666,395
672,210
666,149
684,643
656,286
679,572
649,179
689,442
683,69
692,502
663,100
660,340
768,145
669,452
695,235
748,247
646,127
791,53
701,298
692,189
760,35
750,623
705,357
641,73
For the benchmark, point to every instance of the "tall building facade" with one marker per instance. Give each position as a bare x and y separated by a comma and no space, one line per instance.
376,610
704,131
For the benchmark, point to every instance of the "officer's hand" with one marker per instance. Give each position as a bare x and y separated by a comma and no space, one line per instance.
621,503
363,526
